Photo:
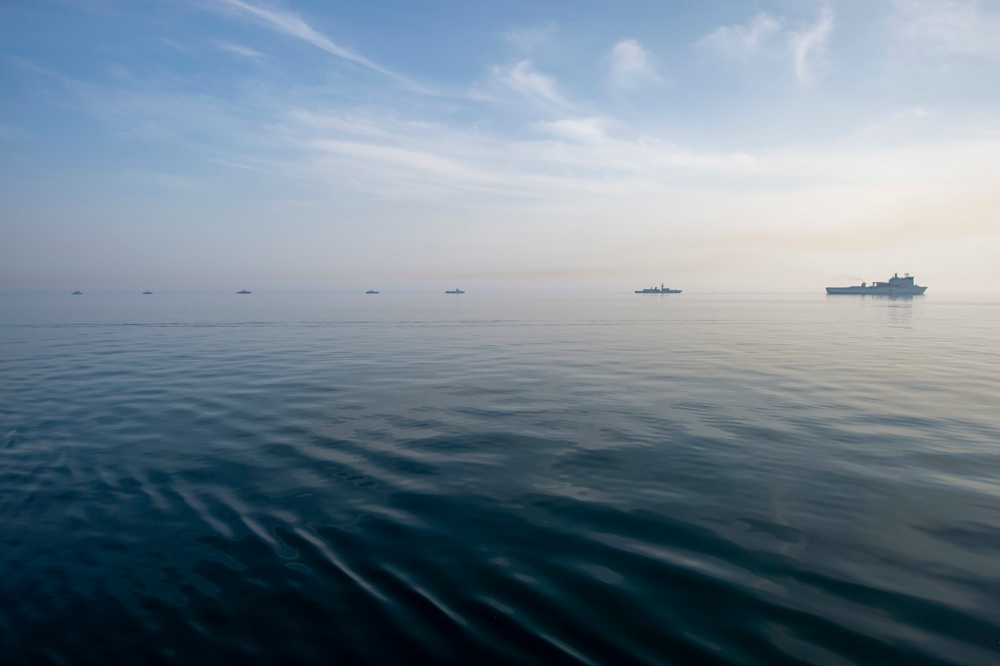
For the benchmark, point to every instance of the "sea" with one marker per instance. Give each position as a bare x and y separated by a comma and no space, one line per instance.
314,478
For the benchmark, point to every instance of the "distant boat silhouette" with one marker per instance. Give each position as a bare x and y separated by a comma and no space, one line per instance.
658,290
147,292
243,291
371,291
77,293
456,291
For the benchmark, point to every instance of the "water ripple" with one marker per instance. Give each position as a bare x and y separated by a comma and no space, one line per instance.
763,481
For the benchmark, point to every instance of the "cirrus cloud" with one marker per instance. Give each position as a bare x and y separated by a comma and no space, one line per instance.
766,34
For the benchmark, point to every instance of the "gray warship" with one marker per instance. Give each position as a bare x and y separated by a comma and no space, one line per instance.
896,286
658,290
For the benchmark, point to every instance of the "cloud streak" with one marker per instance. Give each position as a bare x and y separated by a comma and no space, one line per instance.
808,46
293,25
239,49
528,84
766,34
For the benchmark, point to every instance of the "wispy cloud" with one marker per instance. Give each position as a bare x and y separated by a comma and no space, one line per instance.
293,25
239,49
575,129
767,34
738,41
631,65
429,164
808,45
580,158
528,83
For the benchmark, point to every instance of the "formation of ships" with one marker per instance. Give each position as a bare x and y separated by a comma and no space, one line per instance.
894,286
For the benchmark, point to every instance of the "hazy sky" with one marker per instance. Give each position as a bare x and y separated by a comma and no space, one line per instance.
714,146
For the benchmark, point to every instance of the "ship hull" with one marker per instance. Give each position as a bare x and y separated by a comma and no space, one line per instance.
659,291
877,291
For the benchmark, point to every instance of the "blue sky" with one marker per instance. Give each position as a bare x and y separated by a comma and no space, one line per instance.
724,146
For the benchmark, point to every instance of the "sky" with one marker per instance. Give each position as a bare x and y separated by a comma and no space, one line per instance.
727,146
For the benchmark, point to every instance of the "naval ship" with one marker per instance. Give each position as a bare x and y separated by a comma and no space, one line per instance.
896,286
658,290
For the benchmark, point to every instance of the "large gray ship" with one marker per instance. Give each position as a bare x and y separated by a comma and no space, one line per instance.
896,286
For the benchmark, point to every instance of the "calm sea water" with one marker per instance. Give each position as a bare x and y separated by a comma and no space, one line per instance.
394,479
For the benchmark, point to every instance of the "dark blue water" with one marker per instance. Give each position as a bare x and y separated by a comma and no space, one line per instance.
387,479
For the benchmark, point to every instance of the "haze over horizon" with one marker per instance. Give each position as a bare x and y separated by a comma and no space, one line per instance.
771,146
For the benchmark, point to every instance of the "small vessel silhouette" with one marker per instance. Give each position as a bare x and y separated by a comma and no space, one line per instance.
455,291
147,292
371,291
243,291
77,293
658,290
